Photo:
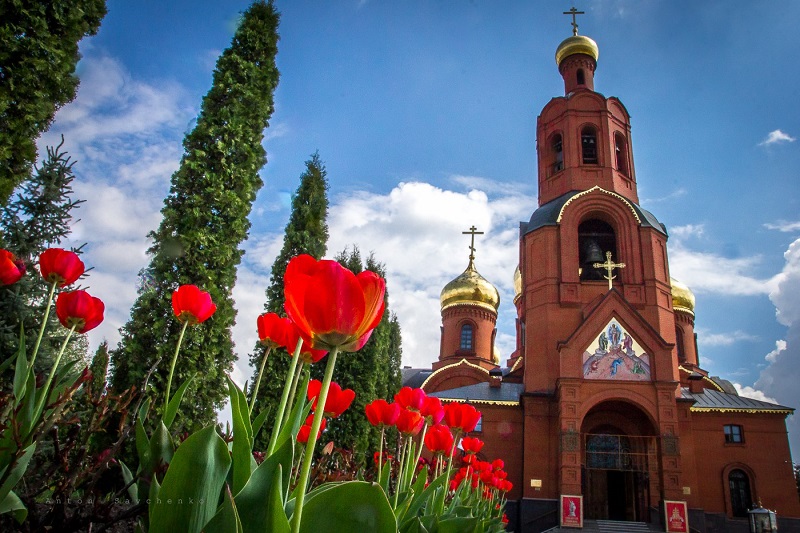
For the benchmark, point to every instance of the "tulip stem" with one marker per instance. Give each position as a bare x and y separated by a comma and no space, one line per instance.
292,393
421,441
258,379
172,367
401,470
312,438
40,405
44,322
276,429
380,454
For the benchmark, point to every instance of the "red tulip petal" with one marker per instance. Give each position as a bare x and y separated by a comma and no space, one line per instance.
334,305
374,289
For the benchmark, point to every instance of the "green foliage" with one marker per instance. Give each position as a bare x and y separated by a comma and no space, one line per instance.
372,372
204,221
306,233
36,218
38,53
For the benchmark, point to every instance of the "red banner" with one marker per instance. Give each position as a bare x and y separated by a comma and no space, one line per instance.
571,511
676,517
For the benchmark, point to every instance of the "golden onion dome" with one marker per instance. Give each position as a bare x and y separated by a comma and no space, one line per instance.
577,44
517,283
496,355
682,297
470,288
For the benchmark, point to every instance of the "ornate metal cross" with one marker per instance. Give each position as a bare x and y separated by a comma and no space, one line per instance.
609,265
574,12
472,231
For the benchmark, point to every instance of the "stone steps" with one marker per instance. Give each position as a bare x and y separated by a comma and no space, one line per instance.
609,526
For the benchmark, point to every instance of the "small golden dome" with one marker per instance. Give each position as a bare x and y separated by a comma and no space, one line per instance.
495,356
577,44
682,297
517,283
470,288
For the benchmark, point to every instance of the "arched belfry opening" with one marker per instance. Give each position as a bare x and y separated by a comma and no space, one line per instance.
619,462
595,238
589,145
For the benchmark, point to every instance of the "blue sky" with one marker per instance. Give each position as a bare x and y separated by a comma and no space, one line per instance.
425,115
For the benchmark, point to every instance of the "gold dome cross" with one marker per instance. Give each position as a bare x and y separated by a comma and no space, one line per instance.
472,231
574,12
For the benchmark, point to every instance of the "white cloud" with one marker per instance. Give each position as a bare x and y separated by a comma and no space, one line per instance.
781,377
689,230
713,273
784,226
755,394
777,137
707,339
416,230
125,137
491,186
677,193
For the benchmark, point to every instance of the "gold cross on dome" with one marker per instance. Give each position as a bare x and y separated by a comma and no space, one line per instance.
574,12
609,265
472,231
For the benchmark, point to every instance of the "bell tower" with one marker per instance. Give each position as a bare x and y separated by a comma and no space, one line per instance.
597,330
583,138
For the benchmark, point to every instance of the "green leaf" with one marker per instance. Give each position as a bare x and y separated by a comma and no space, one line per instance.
243,462
299,413
12,504
414,526
142,447
21,370
259,421
227,518
270,476
175,402
16,472
161,447
127,477
352,506
426,497
191,488
459,525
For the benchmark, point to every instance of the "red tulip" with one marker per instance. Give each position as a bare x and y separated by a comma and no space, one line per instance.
461,416
382,413
498,464
305,429
60,266
410,398
338,400
439,439
432,410
11,268
472,445
409,422
307,354
386,457
192,305
272,330
330,305
79,309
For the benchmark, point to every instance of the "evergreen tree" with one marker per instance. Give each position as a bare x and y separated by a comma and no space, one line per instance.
204,221
372,372
36,218
38,53
306,233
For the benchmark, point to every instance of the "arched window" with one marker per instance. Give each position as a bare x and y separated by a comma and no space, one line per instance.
595,238
589,145
557,151
621,152
581,77
679,342
741,501
466,337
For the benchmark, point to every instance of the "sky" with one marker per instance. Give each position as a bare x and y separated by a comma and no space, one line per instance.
424,114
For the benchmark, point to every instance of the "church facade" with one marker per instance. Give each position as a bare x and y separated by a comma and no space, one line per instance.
604,411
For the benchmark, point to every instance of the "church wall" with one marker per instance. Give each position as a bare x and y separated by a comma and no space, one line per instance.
542,446
503,436
764,455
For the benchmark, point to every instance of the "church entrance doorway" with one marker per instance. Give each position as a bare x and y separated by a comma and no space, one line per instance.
619,463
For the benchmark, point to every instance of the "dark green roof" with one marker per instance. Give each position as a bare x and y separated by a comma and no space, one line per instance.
711,400
483,392
547,215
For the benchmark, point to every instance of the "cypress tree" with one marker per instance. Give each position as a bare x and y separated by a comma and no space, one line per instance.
36,218
204,221
372,372
38,53
306,233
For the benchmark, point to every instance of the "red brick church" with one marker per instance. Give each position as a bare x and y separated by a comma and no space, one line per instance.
603,411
